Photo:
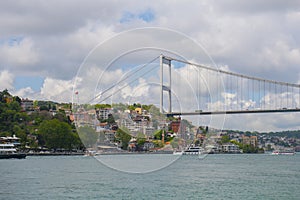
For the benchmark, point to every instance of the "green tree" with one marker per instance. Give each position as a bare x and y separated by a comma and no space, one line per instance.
249,149
110,119
12,120
102,106
44,107
240,145
157,134
35,104
3,95
19,132
140,139
15,106
58,134
61,116
123,136
225,139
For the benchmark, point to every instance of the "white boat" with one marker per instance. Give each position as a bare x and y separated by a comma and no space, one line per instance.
177,153
193,150
9,151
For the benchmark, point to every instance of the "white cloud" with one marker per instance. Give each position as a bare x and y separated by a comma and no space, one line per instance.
280,54
258,38
22,53
140,90
263,122
86,38
6,80
57,90
27,92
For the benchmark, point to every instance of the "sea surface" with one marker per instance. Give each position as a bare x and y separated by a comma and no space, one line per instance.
241,176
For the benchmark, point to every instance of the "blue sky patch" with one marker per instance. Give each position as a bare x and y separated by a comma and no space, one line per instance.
147,16
127,17
34,82
12,41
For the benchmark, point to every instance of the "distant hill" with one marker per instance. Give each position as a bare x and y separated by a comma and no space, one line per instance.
288,134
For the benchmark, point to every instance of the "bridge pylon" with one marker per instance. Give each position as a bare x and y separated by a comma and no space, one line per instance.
165,88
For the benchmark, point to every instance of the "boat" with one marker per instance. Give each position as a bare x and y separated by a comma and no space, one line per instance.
178,153
8,150
193,150
283,152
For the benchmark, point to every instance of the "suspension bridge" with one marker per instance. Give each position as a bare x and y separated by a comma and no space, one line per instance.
187,88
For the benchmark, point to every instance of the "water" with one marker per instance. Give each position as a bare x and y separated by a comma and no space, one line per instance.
215,177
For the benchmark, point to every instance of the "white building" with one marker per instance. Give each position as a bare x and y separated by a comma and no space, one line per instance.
230,148
27,105
103,113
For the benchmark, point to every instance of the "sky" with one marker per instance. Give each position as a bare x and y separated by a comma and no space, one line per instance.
48,48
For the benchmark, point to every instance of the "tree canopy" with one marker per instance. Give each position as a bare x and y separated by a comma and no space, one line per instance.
38,127
58,135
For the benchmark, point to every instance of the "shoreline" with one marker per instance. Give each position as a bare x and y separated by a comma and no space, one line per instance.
55,154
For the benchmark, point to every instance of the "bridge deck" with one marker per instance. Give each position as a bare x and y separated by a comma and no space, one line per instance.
231,112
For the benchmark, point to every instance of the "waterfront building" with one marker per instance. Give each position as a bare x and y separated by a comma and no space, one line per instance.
214,139
230,148
252,140
148,145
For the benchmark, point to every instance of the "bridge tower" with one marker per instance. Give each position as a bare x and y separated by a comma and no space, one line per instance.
165,88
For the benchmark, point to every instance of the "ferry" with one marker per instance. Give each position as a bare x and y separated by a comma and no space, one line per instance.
8,148
193,150
9,151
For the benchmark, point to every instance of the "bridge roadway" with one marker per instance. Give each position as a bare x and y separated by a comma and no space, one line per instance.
231,112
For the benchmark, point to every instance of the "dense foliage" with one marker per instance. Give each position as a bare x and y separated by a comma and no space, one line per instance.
123,136
37,127
56,134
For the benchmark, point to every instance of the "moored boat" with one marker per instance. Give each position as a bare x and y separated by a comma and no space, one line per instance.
177,153
9,151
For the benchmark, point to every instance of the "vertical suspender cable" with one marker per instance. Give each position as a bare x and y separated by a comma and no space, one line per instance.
237,93
241,93
269,93
207,103
280,96
276,95
248,91
287,95
292,97
253,91
264,105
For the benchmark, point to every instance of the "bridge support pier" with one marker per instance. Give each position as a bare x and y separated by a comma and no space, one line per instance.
167,88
